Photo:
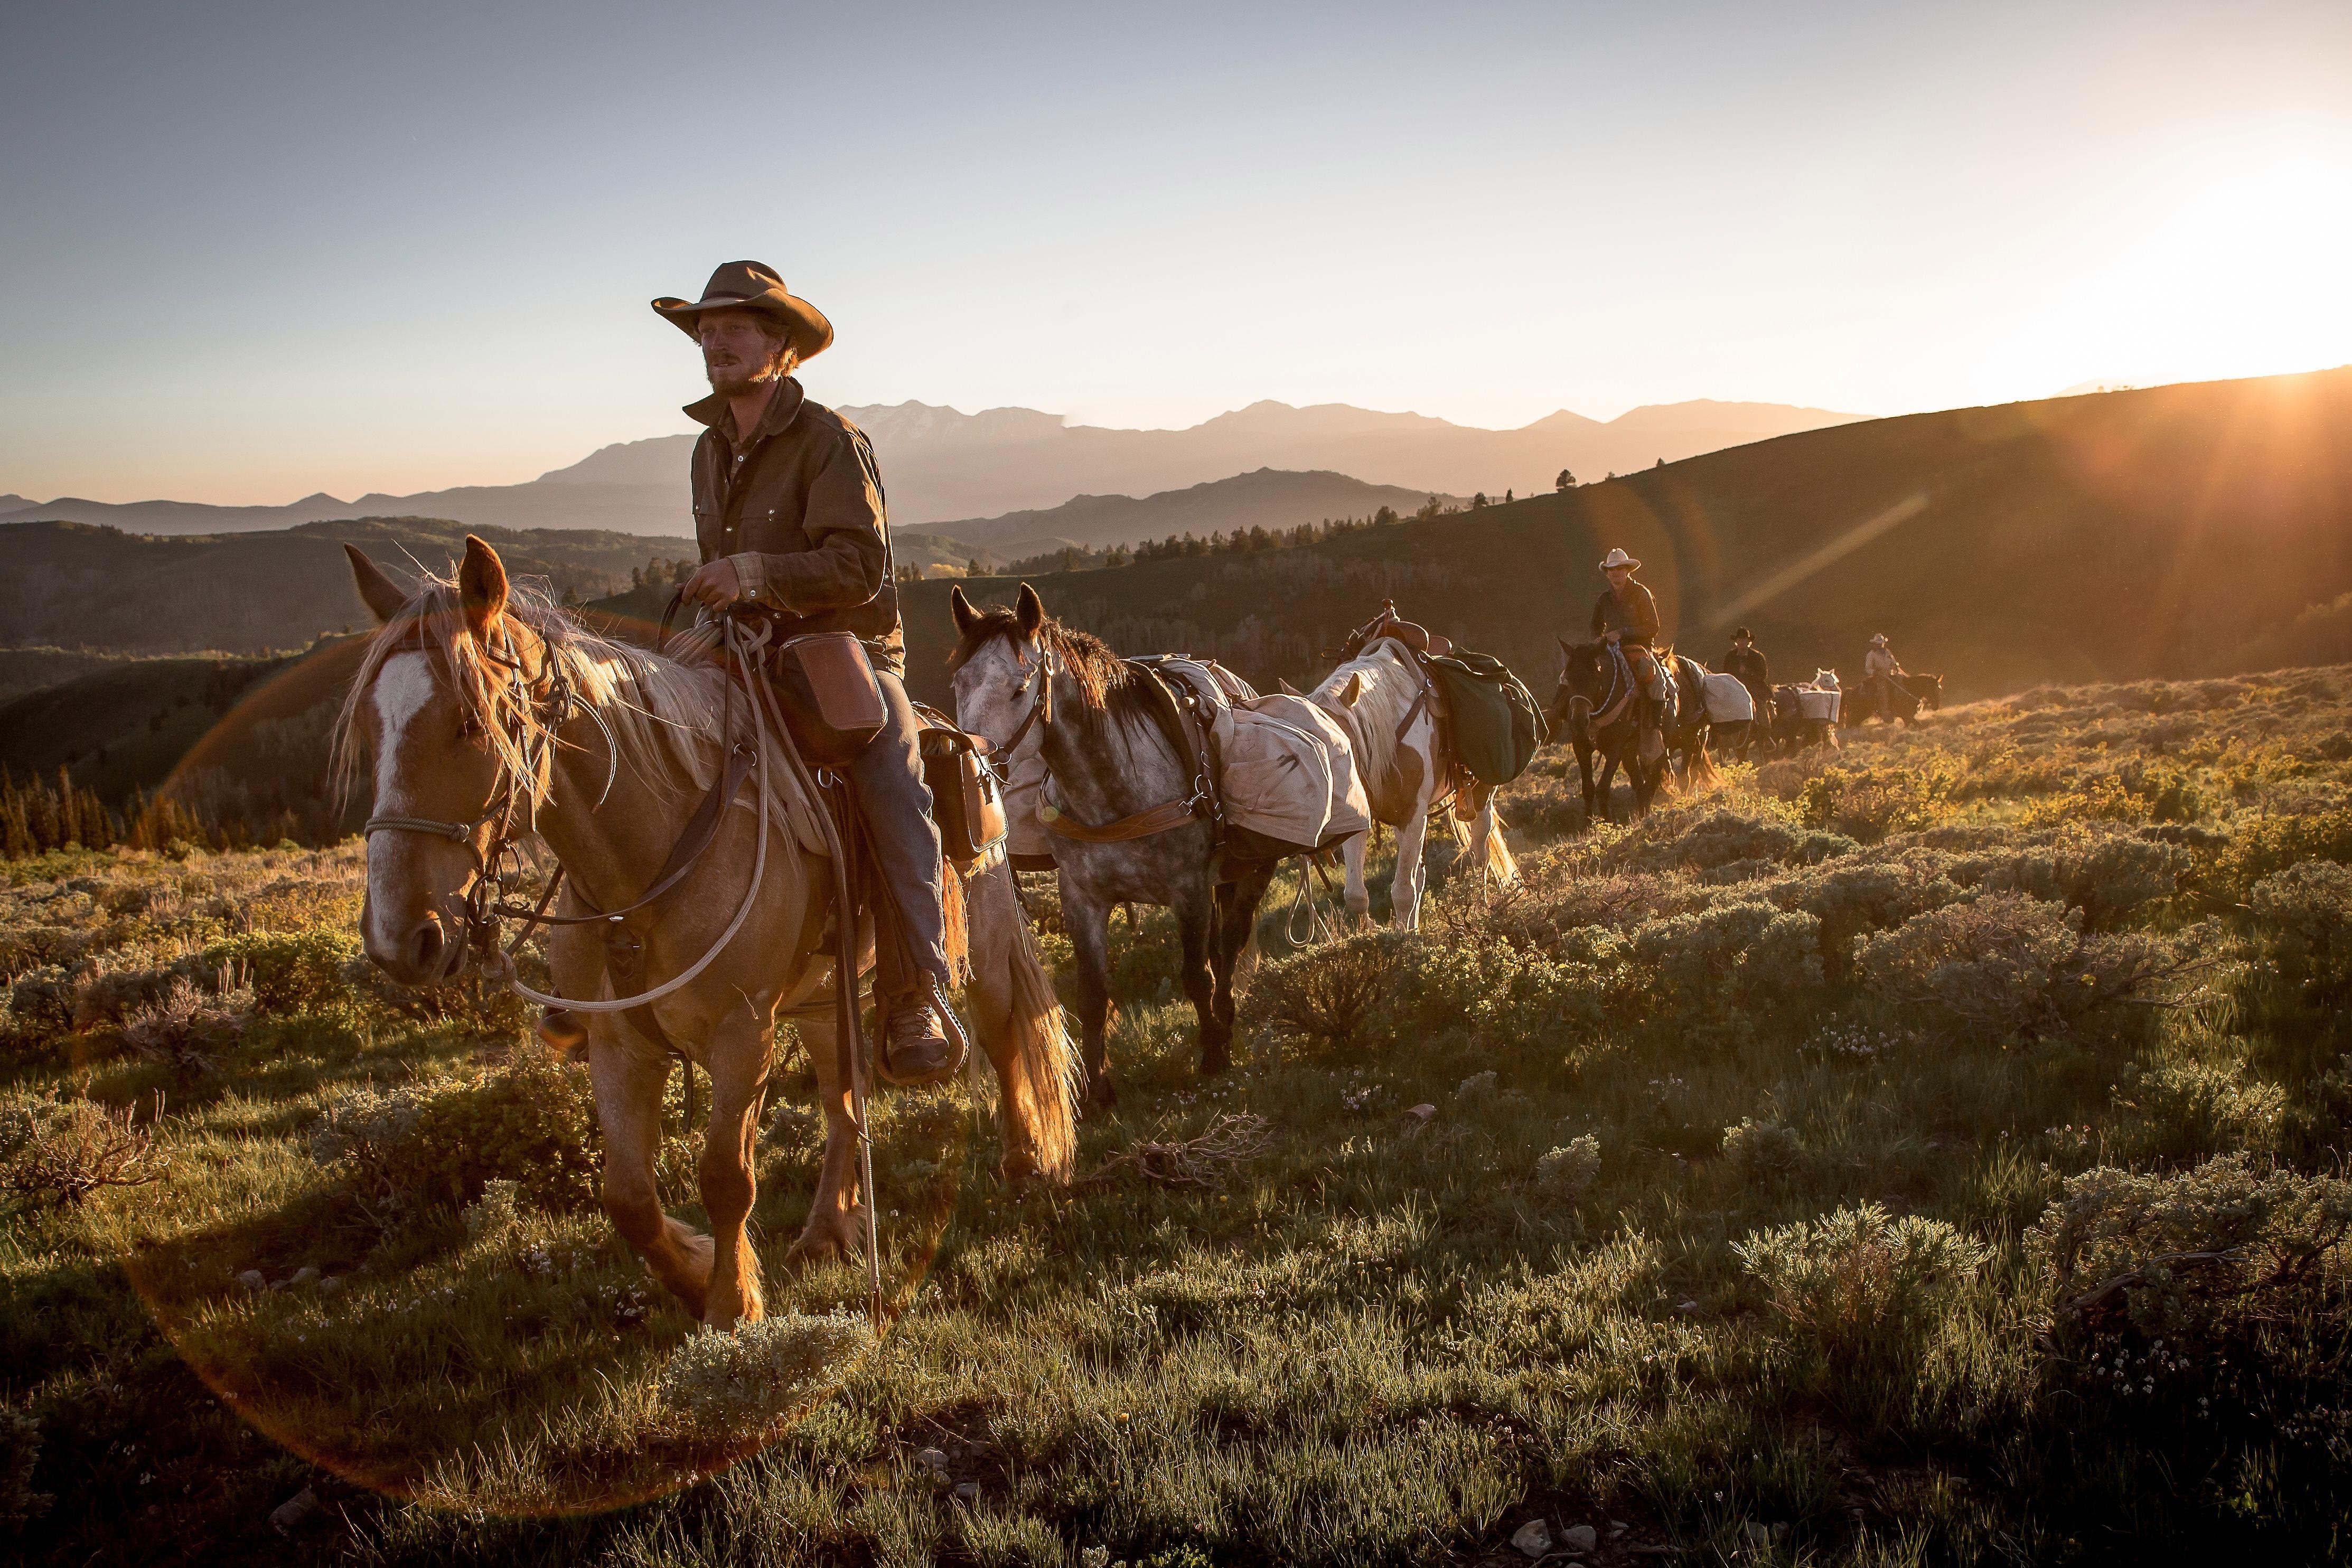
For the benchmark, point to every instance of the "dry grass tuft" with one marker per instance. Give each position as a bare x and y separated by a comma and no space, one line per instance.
1204,1161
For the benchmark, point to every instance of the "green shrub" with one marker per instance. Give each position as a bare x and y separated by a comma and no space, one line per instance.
1565,1173
1762,1151
2010,964
1852,1284
2109,877
1327,996
1865,804
2182,1253
1723,838
2269,845
189,1026
41,1006
1746,951
1504,995
57,1151
442,1141
1851,900
748,1380
291,972
2197,1107
2306,911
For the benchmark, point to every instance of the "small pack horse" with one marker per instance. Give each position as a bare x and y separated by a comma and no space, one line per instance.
491,715
1387,705
1132,814
1597,706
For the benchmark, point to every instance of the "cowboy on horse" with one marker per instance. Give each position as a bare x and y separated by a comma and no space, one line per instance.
1880,668
788,512
1626,617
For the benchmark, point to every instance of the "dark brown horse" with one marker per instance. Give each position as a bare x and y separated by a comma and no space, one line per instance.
1597,706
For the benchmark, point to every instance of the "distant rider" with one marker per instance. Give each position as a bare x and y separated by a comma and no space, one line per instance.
1746,663
1879,669
1626,617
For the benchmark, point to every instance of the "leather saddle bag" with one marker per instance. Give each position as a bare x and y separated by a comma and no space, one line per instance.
830,697
965,799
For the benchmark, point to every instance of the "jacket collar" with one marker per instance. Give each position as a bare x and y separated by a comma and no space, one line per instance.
783,409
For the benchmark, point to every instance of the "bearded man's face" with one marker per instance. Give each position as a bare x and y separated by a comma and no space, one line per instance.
738,353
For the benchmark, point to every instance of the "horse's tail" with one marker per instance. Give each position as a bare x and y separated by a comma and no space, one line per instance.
1046,1068
956,924
1499,864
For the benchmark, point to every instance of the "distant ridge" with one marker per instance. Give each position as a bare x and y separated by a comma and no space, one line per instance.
1268,499
938,464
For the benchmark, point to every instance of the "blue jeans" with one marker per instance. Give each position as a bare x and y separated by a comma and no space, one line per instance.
904,842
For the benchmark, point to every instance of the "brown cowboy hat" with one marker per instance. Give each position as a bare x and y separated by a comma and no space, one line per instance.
753,285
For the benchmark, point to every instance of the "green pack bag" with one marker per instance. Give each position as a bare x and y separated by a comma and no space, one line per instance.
1497,724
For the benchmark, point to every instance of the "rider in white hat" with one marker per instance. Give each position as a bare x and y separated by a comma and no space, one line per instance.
1879,668
1627,617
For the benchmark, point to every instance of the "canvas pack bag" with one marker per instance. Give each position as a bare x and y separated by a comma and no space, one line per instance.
1288,777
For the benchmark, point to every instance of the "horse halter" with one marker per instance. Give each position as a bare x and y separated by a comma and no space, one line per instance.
1041,707
497,866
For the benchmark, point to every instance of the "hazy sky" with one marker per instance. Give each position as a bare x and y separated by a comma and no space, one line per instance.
257,251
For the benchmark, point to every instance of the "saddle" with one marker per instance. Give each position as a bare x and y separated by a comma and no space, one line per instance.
1387,623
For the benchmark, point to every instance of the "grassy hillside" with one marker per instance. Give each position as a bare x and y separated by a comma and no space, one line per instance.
2176,530
77,586
1929,1153
24,670
242,742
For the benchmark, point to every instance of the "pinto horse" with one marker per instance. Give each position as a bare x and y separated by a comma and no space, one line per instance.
491,715
1380,698
1128,822
1596,706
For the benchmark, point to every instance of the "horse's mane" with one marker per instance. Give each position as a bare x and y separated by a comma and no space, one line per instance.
665,718
1390,687
1107,684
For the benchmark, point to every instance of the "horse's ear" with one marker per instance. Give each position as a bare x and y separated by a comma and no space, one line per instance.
1565,645
966,617
1029,611
382,596
1287,689
1353,689
481,586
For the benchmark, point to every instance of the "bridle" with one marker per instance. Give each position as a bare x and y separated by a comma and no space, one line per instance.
1153,819
542,707
1041,709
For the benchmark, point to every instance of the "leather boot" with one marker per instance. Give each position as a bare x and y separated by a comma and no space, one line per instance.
915,1048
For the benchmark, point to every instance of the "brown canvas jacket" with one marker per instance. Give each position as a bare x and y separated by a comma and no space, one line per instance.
1634,618
799,509
1749,666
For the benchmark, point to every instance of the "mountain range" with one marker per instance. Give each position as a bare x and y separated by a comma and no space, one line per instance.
941,464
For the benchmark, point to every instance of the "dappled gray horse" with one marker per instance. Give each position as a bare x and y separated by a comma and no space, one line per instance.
1130,822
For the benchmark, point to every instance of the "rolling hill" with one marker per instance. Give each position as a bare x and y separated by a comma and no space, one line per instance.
2170,531
77,586
1269,498
941,463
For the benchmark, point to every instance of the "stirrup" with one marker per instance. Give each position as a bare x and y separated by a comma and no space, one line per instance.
958,1044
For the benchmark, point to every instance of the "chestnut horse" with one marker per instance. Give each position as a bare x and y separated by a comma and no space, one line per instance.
490,714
